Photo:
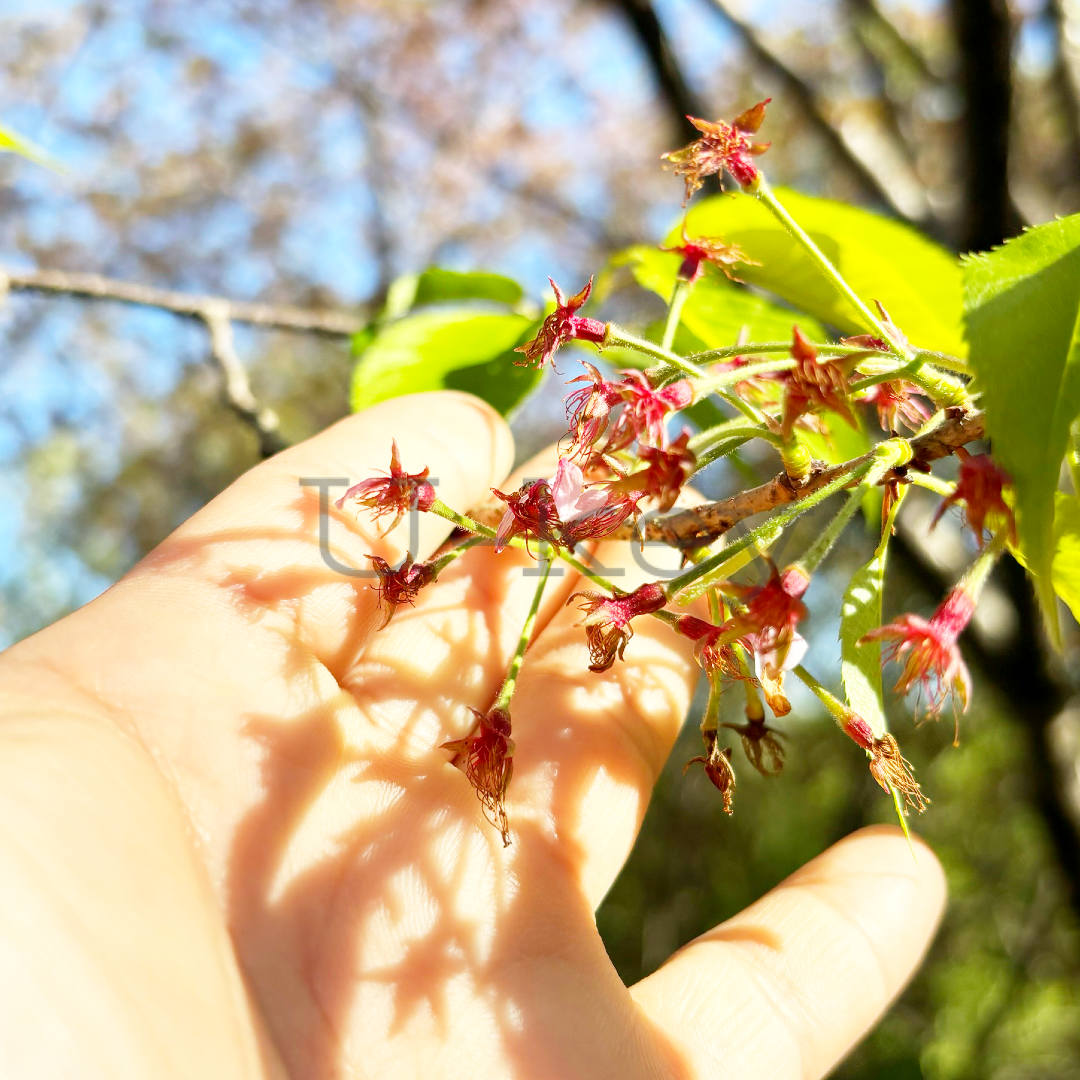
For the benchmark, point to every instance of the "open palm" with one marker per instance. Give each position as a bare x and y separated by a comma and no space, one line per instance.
231,846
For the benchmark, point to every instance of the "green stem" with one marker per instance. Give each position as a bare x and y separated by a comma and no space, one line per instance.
817,551
711,719
756,348
679,295
444,560
931,483
943,389
1073,457
767,196
831,702
722,449
766,533
976,574
703,440
901,371
945,360
463,522
507,690
712,383
749,410
618,337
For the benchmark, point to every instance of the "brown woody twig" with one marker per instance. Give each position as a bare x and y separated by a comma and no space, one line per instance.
701,525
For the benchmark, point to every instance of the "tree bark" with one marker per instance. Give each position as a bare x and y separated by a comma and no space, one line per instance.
984,44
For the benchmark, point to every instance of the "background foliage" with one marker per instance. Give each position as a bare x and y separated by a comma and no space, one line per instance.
314,153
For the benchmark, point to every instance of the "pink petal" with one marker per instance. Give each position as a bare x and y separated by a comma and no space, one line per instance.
566,487
796,650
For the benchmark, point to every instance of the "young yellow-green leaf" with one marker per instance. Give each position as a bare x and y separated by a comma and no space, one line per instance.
1065,570
717,309
452,348
1021,303
917,281
860,612
438,286
16,144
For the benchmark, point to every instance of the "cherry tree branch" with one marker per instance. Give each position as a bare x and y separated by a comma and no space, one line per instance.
703,524
216,313
191,305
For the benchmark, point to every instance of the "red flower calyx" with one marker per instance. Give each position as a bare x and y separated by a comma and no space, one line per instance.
761,744
394,494
489,763
562,511
721,146
717,762
929,652
895,405
700,250
561,326
888,766
714,646
813,383
607,620
979,486
400,586
665,473
767,627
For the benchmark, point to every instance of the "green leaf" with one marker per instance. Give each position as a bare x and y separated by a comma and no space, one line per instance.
16,144
717,309
1021,303
454,348
860,612
1065,570
438,286
917,281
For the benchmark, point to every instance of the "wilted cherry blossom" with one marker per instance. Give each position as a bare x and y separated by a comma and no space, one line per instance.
896,404
563,511
665,473
400,586
530,512
980,487
645,412
929,651
761,744
767,627
561,326
489,764
394,494
888,766
813,383
607,620
717,762
721,146
698,251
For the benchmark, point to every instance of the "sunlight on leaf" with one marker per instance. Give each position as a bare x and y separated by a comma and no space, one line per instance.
1021,302
918,281
860,612
453,348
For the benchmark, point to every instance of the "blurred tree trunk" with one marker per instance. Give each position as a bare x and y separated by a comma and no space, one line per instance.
674,89
984,47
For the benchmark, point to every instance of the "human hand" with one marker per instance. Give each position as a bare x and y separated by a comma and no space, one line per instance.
231,846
